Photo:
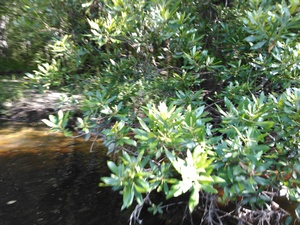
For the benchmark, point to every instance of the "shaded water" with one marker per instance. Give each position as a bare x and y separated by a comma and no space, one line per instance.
50,179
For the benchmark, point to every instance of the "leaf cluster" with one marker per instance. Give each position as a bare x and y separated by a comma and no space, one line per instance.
191,98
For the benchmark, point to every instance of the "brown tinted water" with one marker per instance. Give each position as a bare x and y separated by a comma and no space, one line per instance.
50,179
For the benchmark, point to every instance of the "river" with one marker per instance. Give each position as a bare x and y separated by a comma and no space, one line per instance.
50,179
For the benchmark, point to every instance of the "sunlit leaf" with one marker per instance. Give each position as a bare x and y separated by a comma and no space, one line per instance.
49,123
194,199
60,115
144,126
53,119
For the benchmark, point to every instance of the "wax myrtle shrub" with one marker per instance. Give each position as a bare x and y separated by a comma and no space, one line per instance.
143,68
138,50
255,155
259,45
248,159
169,154
64,68
153,40
273,33
181,42
32,25
252,144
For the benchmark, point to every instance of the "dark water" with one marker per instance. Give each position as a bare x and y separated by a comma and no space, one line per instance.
50,179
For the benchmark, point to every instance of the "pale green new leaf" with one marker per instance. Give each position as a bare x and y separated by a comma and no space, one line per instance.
49,123
93,24
144,126
53,119
218,180
60,115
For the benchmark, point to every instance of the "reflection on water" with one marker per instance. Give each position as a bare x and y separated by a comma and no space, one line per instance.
49,179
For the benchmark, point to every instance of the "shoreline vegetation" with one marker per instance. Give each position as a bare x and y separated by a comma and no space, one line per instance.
197,102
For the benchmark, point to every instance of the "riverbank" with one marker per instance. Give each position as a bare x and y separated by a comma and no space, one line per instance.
25,105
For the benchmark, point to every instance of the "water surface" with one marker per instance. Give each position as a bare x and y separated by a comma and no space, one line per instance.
50,179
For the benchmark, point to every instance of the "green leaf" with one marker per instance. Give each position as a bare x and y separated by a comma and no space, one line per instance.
265,124
138,197
261,181
253,38
128,195
264,166
258,45
110,181
129,142
170,156
144,126
237,170
141,134
126,157
209,189
141,185
110,99
205,179
194,199
218,180
113,167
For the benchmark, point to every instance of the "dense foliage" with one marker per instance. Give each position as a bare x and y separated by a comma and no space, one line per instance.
196,101
29,26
